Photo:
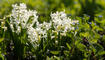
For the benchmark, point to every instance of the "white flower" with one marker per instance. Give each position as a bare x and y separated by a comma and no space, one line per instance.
46,25
32,34
18,29
61,22
20,17
12,28
5,28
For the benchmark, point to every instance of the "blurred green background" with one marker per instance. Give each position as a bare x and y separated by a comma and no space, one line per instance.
45,7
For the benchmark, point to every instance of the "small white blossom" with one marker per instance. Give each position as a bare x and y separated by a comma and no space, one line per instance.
5,28
32,34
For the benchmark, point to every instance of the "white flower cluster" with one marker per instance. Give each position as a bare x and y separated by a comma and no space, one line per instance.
33,35
20,19
61,22
43,28
20,16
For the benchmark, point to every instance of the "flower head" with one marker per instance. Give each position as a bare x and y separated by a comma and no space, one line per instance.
20,17
61,22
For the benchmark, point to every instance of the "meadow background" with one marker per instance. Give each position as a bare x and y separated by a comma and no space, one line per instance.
87,44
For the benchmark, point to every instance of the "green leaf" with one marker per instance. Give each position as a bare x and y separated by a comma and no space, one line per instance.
57,58
101,53
66,53
93,41
86,34
55,52
68,46
1,39
81,47
47,58
1,57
